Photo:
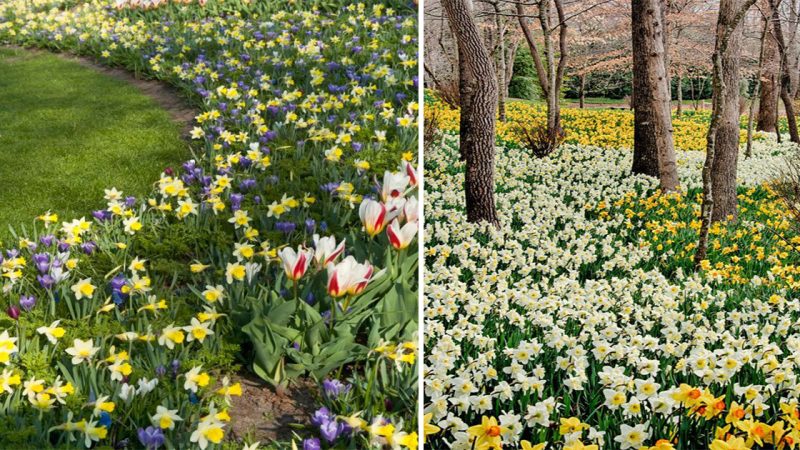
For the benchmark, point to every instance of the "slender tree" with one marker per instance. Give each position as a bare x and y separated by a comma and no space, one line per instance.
754,99
501,62
551,77
478,97
653,148
768,83
786,91
722,140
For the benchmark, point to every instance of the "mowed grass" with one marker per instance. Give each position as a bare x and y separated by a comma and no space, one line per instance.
67,132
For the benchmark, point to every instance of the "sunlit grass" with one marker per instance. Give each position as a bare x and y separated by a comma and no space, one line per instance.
67,132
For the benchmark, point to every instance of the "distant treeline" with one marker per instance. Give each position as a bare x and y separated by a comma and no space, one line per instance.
612,85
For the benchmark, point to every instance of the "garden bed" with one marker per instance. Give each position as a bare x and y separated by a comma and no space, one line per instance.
284,250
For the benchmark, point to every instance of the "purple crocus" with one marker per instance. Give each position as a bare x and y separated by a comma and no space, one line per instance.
311,224
285,227
151,437
42,262
47,240
312,444
88,247
320,416
329,431
46,281
335,388
236,201
27,302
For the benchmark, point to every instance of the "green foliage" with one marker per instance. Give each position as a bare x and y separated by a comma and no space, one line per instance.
290,337
524,83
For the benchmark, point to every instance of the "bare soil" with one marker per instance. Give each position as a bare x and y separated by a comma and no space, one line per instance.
266,415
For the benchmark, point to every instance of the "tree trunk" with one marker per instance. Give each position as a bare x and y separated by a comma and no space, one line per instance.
755,96
726,153
511,53
553,112
768,99
753,101
550,77
653,148
582,92
501,65
786,76
478,91
679,112
664,6
722,140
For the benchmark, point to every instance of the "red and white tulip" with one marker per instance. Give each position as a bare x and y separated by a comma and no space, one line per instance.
374,216
394,185
411,172
401,237
295,263
349,277
326,250
411,209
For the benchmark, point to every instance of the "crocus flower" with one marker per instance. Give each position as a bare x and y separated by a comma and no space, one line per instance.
321,416
330,430
312,444
295,263
335,388
27,302
46,281
285,227
151,437
47,240
42,262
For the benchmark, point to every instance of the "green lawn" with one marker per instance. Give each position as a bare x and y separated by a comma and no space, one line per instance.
67,132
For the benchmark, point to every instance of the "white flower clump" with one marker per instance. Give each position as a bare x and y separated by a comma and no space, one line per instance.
553,293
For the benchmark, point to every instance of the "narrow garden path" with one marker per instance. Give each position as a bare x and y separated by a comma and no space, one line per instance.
69,129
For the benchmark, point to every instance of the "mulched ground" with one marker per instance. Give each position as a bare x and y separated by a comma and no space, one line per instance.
265,415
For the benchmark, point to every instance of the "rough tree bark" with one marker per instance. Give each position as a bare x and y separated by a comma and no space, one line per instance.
550,78
727,139
722,140
478,91
653,148
768,98
786,75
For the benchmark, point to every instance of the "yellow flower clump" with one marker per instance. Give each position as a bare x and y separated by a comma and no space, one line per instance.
598,127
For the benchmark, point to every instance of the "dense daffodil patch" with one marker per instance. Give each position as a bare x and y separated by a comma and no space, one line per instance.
287,245
597,127
579,324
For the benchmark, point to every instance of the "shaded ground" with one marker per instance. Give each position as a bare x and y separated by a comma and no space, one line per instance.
262,414
68,131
